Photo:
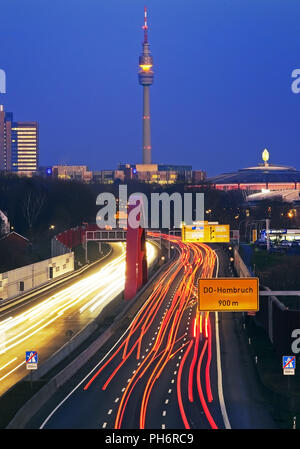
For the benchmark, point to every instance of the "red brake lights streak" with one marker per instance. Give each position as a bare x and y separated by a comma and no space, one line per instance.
193,259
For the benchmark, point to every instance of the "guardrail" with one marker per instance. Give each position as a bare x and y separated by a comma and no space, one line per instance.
240,266
277,320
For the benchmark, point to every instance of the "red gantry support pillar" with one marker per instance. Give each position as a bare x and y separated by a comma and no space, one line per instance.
136,259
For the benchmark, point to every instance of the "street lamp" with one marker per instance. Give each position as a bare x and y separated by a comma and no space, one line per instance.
242,221
268,233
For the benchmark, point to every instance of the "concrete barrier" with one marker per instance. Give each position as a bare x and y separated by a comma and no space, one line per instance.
31,407
16,282
240,266
49,285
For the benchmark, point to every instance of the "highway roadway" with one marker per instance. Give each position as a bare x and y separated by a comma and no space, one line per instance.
45,322
163,371
168,369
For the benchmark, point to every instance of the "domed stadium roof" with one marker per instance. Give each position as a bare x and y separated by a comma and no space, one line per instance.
264,173
258,175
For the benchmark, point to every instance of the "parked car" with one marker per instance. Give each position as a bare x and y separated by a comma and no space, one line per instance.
295,244
260,244
285,243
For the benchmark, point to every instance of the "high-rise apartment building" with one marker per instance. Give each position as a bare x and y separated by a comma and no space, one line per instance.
19,149
5,140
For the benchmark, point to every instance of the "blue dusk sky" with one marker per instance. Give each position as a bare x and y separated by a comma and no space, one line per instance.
222,88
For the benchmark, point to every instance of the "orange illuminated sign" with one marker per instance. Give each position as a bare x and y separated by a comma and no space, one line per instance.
228,294
206,233
218,234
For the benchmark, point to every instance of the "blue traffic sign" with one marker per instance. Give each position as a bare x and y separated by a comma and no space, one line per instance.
31,357
289,362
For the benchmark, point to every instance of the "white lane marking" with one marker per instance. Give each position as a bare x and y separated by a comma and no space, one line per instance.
83,380
164,413
3,377
219,368
109,411
88,375
8,363
104,425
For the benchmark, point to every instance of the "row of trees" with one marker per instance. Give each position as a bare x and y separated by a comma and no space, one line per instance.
42,206
33,204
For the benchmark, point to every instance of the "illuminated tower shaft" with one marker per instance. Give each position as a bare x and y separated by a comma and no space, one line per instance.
147,157
146,79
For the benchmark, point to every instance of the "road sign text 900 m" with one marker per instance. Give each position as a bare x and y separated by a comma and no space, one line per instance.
227,302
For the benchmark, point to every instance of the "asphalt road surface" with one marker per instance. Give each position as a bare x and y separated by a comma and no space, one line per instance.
45,322
172,368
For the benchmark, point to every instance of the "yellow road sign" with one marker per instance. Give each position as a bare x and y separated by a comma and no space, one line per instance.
217,233
228,294
206,233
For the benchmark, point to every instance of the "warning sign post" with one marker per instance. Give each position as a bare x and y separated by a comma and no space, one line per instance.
228,294
289,364
31,359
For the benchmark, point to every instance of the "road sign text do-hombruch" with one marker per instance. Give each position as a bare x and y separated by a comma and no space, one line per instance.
228,294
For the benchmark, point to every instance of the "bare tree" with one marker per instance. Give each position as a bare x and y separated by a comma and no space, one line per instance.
32,206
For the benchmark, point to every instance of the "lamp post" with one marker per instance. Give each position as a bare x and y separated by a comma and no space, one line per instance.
268,233
242,221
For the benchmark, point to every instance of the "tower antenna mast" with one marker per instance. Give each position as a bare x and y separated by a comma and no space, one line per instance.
145,27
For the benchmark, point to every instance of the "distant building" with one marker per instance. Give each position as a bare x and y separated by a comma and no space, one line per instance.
263,178
161,173
19,145
74,172
15,239
104,176
44,171
108,176
148,173
198,176
15,247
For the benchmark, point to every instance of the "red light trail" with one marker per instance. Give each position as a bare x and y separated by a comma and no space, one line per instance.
179,281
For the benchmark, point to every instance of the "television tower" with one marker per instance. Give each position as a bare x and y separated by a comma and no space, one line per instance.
146,79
